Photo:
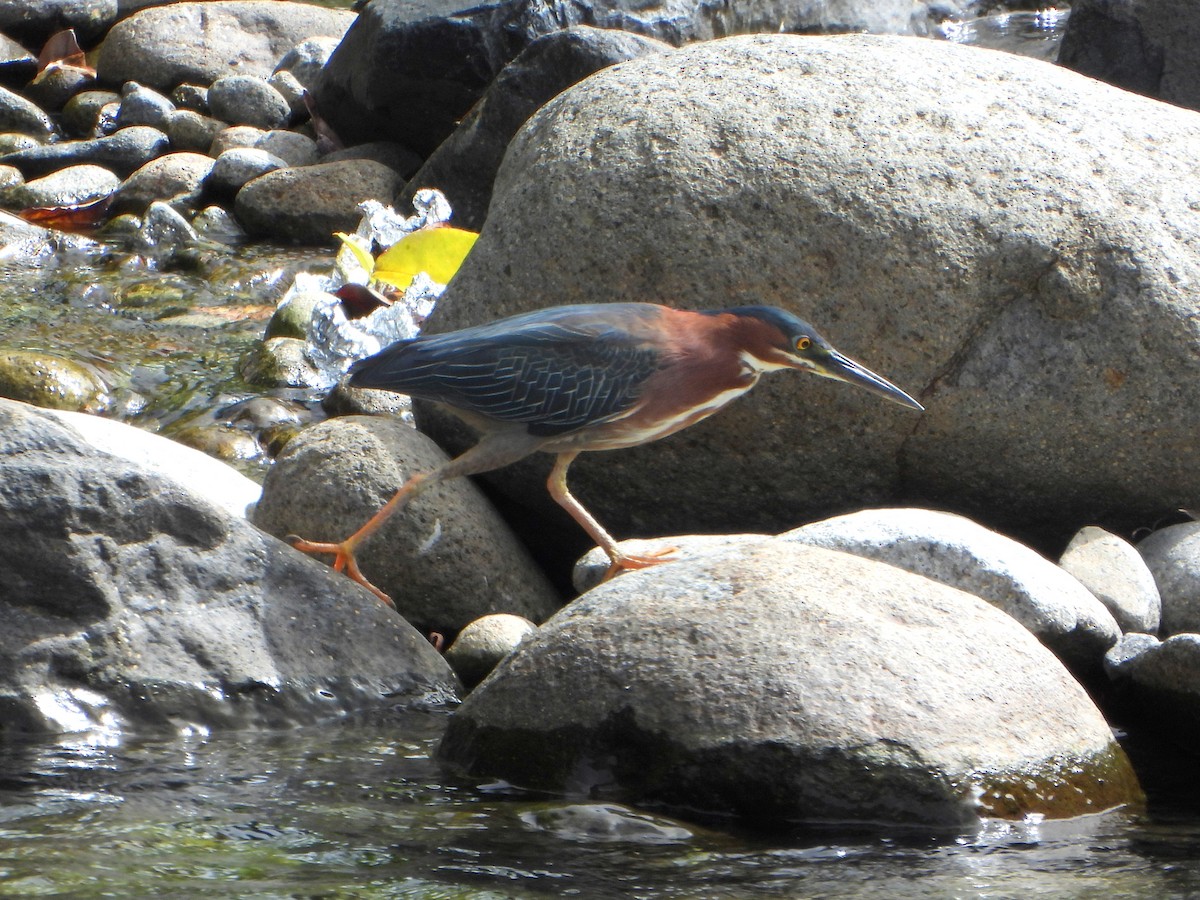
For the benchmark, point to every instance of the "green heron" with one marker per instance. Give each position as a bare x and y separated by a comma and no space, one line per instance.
590,377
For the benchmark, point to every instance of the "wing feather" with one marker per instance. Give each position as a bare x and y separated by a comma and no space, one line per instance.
554,371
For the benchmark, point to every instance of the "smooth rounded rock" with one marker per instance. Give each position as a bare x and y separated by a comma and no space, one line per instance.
122,152
1113,570
310,204
141,105
1173,556
67,187
446,560
783,683
21,115
176,176
482,645
293,148
963,554
246,100
236,167
163,46
55,382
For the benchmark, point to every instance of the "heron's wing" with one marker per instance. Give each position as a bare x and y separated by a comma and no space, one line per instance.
554,376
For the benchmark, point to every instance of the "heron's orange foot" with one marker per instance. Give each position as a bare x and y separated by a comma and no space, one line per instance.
343,561
622,561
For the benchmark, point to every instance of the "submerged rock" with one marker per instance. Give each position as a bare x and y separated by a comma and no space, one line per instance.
46,379
782,683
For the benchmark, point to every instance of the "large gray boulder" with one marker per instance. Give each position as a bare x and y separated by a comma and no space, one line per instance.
999,250
164,46
788,682
131,602
1148,46
440,55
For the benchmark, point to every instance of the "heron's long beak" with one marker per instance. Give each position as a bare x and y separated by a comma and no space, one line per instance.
842,368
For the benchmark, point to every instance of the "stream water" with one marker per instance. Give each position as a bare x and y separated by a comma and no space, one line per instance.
359,808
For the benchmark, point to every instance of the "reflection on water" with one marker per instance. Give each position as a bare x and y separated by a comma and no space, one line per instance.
359,809
1034,34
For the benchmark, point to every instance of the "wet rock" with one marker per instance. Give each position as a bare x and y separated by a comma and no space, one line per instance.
141,105
220,442
440,57
292,317
199,42
174,178
309,204
1173,556
44,379
216,224
66,187
163,230
193,131
9,177
1113,570
446,560
1057,609
602,822
10,142
1040,416
280,362
747,684
191,96
236,167
122,152
81,115
1142,46
246,100
20,115
344,400
482,645
464,166
1159,682
144,605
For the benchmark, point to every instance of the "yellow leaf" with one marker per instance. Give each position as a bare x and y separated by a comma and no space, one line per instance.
351,243
438,252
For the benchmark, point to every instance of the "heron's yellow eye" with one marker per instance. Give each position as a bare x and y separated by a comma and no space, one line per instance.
803,343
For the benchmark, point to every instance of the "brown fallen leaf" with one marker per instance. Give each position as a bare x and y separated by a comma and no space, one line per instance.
63,50
81,217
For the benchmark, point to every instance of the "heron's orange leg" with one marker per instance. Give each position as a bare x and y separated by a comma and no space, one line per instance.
557,485
343,551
